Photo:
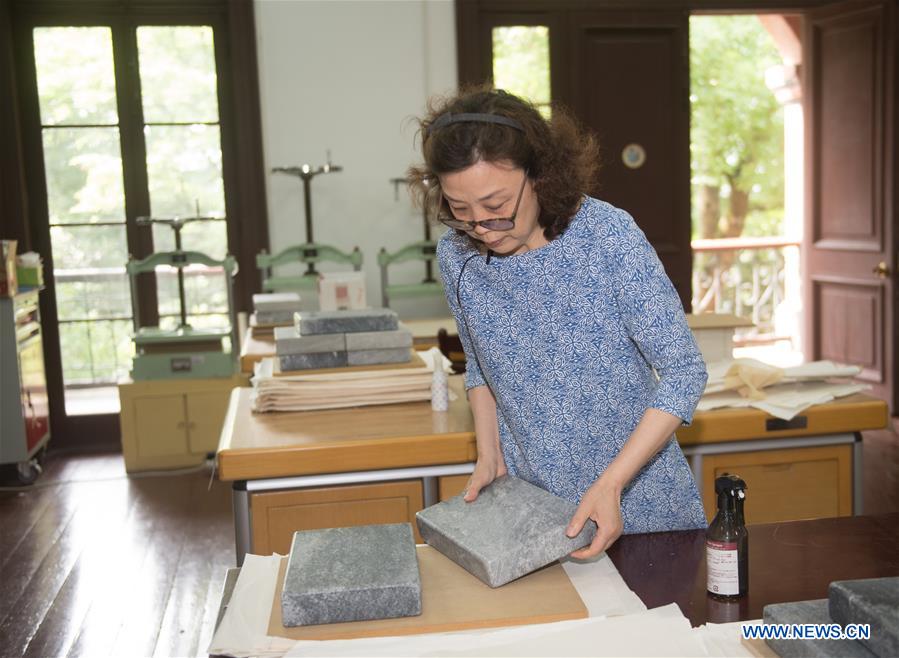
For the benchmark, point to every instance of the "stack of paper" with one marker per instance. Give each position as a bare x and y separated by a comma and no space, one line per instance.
781,392
335,390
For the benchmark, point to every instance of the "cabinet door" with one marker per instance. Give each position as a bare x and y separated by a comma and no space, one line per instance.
785,485
205,415
160,425
277,515
451,485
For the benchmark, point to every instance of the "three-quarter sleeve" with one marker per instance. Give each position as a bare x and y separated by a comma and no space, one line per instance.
450,261
654,317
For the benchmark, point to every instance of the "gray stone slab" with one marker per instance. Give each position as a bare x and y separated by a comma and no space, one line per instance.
274,317
511,529
351,574
309,361
277,301
377,357
335,322
379,340
873,601
809,612
288,342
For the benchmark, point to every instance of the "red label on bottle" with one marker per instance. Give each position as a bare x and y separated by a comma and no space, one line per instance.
722,567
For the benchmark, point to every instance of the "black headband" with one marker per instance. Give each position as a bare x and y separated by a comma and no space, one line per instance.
448,118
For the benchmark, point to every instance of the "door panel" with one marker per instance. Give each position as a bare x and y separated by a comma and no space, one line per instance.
851,328
640,110
849,220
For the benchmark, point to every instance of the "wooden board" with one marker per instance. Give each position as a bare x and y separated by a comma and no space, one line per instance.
453,600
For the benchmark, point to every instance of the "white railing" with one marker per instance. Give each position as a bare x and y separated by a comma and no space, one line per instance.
748,277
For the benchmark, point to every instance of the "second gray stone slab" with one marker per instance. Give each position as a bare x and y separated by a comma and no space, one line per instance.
309,361
337,322
351,574
379,340
287,341
809,612
873,601
511,529
377,357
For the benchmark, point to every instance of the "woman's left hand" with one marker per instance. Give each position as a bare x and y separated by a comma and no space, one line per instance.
601,503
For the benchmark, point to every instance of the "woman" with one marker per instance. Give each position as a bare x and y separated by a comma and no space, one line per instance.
564,310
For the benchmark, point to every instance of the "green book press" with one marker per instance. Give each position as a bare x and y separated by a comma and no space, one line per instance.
185,352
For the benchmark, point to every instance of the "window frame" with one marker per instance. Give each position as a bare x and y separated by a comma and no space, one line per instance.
241,145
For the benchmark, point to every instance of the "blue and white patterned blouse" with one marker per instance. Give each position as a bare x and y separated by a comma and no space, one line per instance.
567,337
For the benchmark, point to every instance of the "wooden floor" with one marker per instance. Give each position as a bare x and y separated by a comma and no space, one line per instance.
95,563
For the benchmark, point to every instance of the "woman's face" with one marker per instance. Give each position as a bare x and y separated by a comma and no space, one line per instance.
489,190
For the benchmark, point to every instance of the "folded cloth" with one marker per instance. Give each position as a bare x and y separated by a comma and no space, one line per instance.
784,401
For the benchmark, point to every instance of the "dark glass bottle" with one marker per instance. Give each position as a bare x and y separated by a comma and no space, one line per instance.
727,543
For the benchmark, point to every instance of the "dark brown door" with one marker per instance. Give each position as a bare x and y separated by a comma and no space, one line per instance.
630,84
850,267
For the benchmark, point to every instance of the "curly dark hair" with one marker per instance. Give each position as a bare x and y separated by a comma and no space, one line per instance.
562,159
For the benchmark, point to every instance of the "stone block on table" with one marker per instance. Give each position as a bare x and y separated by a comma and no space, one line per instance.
310,361
378,357
351,574
277,301
873,601
349,321
379,340
287,341
511,529
808,612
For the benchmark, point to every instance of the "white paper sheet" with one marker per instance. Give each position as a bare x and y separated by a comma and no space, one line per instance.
663,631
244,626
783,400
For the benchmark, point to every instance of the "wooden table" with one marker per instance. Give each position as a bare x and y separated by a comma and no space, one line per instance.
384,463
790,561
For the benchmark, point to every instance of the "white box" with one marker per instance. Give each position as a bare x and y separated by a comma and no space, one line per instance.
714,333
339,291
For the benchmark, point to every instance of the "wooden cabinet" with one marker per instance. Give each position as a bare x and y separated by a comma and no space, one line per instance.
451,485
172,423
786,485
276,515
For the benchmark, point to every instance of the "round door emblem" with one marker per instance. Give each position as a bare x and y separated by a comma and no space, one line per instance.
633,156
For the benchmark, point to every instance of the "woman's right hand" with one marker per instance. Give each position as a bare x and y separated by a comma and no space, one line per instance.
486,470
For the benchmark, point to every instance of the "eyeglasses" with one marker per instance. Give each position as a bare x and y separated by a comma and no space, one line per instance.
445,216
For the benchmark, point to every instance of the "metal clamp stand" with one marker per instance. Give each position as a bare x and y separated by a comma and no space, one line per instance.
176,224
306,173
429,272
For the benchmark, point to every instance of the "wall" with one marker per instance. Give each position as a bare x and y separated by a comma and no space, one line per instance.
348,76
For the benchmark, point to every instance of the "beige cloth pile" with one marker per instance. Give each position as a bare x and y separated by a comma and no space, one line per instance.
337,390
781,392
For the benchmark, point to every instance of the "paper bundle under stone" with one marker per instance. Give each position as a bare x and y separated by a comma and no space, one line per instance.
511,529
336,390
276,308
335,339
351,574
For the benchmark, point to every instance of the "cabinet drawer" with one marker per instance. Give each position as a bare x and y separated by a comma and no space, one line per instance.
160,426
451,485
277,515
206,413
785,485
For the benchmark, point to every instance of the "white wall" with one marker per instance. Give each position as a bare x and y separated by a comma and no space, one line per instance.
349,75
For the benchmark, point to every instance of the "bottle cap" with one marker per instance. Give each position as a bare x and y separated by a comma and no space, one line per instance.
729,482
